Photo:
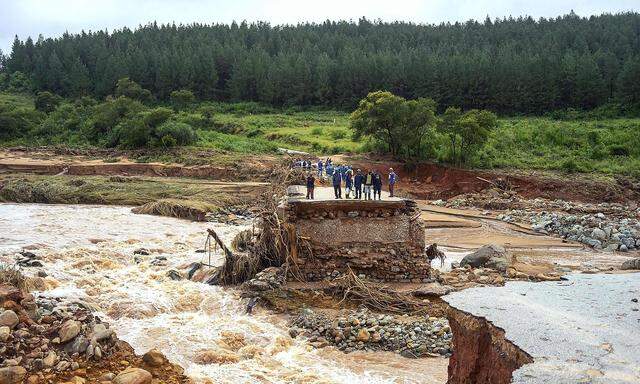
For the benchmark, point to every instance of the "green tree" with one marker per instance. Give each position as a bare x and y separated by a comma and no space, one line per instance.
381,115
628,83
129,88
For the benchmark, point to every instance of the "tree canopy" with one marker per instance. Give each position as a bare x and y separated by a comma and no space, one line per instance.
510,65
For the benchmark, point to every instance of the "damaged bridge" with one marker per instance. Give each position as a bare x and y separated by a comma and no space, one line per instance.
383,240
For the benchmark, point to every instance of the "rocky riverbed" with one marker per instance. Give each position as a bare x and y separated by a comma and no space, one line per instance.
410,336
607,226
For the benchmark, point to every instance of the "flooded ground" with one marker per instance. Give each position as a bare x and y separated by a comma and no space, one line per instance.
88,252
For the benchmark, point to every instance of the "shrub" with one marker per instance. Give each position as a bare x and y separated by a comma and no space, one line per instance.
157,116
131,133
619,150
182,98
47,102
183,134
317,131
338,134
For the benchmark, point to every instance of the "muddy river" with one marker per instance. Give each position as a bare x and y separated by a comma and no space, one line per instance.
88,254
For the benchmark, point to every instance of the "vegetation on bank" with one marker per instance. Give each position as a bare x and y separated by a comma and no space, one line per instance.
166,196
571,141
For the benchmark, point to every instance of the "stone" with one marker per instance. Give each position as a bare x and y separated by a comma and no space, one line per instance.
432,289
50,360
599,234
9,319
5,333
154,358
69,330
77,380
109,376
133,376
12,375
363,335
488,256
631,264
78,345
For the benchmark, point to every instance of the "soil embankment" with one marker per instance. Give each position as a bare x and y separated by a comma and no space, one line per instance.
481,354
433,181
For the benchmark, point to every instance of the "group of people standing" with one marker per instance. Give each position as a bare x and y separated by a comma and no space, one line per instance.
359,184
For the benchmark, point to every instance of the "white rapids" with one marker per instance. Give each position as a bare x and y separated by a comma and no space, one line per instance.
87,253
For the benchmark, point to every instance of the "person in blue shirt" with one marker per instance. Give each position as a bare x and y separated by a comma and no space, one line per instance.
358,180
337,188
329,169
392,181
320,168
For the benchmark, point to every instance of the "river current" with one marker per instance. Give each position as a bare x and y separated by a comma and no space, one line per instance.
88,254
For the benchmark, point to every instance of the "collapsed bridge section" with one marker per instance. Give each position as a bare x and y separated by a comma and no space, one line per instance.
381,239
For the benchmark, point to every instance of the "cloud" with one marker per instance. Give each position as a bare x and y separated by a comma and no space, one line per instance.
53,17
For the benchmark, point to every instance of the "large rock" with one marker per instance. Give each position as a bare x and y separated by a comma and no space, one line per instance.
8,319
5,332
69,330
489,256
432,289
133,376
631,264
12,375
154,358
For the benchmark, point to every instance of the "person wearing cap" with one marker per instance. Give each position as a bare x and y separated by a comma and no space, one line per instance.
392,181
358,179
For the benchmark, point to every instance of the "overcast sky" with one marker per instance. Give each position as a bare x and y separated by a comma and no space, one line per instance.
53,17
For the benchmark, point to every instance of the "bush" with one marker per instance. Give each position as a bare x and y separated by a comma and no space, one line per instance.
182,98
157,116
47,102
619,150
317,131
132,133
181,133
338,134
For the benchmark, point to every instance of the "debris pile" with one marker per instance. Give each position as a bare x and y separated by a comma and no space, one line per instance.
363,330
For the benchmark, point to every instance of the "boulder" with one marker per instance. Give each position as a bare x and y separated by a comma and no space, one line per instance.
133,376
489,256
154,358
631,264
431,290
8,319
69,330
12,375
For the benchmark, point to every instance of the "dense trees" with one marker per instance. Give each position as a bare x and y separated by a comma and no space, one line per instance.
506,65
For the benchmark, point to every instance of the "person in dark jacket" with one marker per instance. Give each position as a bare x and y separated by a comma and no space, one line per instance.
337,181
358,180
311,184
377,185
348,182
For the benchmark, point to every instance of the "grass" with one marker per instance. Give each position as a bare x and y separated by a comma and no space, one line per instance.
609,146
325,132
166,196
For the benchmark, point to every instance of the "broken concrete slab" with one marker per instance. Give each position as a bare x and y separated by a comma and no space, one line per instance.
580,330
